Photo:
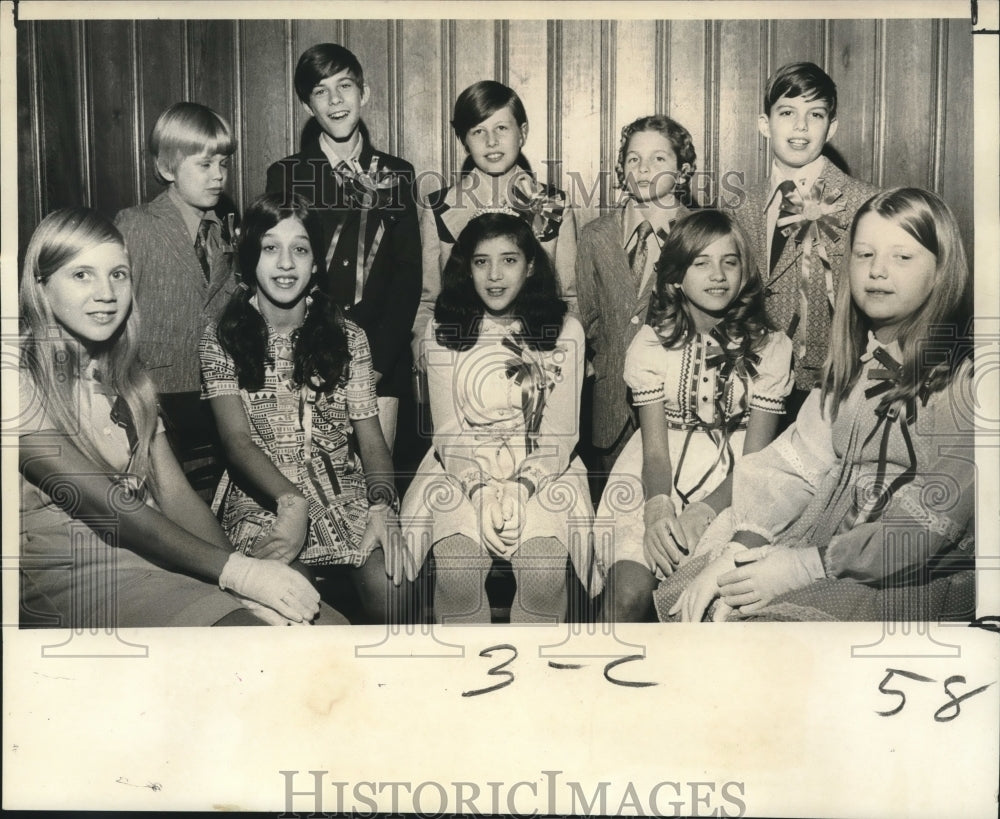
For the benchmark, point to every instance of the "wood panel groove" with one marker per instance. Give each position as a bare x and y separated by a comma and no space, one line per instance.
449,92
661,61
878,143
940,102
607,106
89,92
501,51
86,120
554,152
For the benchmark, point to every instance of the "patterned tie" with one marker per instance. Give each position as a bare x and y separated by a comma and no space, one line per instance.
778,238
201,247
638,255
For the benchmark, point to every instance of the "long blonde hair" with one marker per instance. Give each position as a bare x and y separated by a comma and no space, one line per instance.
925,217
52,357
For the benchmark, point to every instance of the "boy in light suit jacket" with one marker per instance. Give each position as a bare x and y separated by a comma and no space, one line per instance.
181,249
615,258
798,218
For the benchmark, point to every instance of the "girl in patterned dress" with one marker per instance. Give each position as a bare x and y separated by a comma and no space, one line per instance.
112,534
865,507
505,370
292,388
709,380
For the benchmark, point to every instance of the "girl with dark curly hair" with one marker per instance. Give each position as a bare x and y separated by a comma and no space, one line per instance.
291,385
505,369
709,380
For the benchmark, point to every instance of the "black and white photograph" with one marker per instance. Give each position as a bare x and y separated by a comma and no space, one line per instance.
605,399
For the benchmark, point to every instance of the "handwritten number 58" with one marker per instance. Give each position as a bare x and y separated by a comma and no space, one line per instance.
946,712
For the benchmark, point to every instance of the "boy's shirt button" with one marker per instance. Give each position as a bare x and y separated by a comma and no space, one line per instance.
635,319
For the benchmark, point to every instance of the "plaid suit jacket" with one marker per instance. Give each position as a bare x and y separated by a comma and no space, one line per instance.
175,302
782,284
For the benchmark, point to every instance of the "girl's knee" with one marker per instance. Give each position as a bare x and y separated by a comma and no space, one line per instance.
628,593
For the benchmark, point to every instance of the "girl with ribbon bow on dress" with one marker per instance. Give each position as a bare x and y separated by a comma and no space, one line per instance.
709,379
505,370
112,534
864,508
490,122
291,384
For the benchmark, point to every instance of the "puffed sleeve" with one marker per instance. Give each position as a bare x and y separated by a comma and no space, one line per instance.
774,381
773,486
646,364
927,520
560,426
218,370
360,389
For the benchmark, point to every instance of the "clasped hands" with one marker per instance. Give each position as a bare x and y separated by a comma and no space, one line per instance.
501,514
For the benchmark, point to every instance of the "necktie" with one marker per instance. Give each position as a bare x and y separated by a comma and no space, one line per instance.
638,255
778,239
201,247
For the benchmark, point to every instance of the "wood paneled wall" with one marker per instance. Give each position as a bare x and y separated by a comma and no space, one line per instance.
90,91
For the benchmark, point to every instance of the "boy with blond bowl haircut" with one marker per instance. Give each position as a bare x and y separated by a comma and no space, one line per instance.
181,249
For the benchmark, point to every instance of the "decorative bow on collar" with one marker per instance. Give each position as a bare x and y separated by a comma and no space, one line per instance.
729,360
811,220
868,506
888,377
813,217
530,375
121,416
366,189
535,204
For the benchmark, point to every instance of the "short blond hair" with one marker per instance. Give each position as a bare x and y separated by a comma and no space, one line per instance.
186,129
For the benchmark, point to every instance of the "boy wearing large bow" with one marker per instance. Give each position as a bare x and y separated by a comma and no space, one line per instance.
365,200
797,219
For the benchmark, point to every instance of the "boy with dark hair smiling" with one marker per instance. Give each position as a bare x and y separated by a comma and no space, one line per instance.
365,201
798,218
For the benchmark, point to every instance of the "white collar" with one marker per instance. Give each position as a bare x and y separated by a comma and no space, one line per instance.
351,155
803,177
659,217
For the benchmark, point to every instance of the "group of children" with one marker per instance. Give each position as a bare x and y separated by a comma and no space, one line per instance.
279,346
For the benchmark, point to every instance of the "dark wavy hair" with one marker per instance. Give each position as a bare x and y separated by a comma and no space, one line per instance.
319,346
680,140
744,322
321,61
459,310
479,102
801,80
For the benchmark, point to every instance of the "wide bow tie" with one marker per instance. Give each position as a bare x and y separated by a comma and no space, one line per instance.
542,209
